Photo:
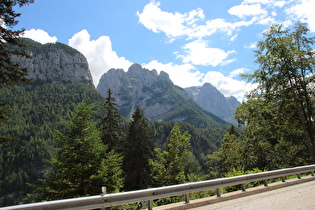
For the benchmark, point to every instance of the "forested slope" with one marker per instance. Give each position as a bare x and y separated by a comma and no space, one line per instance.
37,110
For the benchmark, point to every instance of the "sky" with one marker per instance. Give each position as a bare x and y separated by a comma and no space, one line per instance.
194,41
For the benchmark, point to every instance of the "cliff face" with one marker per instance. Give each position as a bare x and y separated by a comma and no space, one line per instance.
210,99
55,62
137,87
155,94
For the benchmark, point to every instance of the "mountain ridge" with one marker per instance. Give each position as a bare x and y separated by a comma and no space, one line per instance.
155,94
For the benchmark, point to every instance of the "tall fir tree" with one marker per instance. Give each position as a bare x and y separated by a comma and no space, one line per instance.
138,149
111,125
83,164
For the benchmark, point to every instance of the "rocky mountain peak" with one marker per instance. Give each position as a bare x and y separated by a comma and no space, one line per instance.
212,100
55,62
154,93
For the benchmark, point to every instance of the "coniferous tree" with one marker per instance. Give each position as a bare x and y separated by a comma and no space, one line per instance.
138,149
172,165
10,72
110,125
82,165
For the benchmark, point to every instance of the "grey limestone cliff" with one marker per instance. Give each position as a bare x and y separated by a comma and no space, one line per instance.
137,87
55,62
210,99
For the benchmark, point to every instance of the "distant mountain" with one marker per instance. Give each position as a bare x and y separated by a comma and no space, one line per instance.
210,99
55,62
155,94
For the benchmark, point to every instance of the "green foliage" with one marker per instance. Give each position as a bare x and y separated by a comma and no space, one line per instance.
278,114
11,45
173,165
138,149
285,84
10,72
203,140
236,172
82,165
229,156
111,125
37,110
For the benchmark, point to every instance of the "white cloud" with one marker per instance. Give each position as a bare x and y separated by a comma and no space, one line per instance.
263,12
233,38
304,10
191,24
227,85
251,46
280,4
267,21
237,72
172,24
183,75
39,36
99,54
198,53
245,10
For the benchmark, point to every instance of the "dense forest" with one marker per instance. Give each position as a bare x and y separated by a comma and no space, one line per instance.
39,109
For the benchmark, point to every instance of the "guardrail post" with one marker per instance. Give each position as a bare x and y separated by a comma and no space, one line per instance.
150,205
218,192
283,179
187,198
265,183
243,187
103,193
312,172
104,190
299,176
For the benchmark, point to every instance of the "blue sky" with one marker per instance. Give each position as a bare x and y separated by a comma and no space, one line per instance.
194,41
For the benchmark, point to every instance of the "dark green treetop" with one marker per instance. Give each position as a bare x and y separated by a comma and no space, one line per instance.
173,165
138,149
10,72
111,125
82,165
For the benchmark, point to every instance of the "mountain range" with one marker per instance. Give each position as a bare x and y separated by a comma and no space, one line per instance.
160,99
154,93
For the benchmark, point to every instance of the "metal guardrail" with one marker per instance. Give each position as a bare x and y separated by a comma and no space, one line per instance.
115,199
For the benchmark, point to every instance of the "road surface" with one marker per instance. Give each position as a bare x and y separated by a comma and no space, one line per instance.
300,196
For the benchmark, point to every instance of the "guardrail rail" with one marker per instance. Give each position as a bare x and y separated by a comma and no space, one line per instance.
115,199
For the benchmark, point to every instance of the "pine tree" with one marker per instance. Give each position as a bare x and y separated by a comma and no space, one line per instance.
112,131
138,149
82,165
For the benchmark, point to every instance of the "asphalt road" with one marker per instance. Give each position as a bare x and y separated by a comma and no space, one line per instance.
300,196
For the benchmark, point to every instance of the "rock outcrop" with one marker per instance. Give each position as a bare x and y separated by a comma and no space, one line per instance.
210,99
55,62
